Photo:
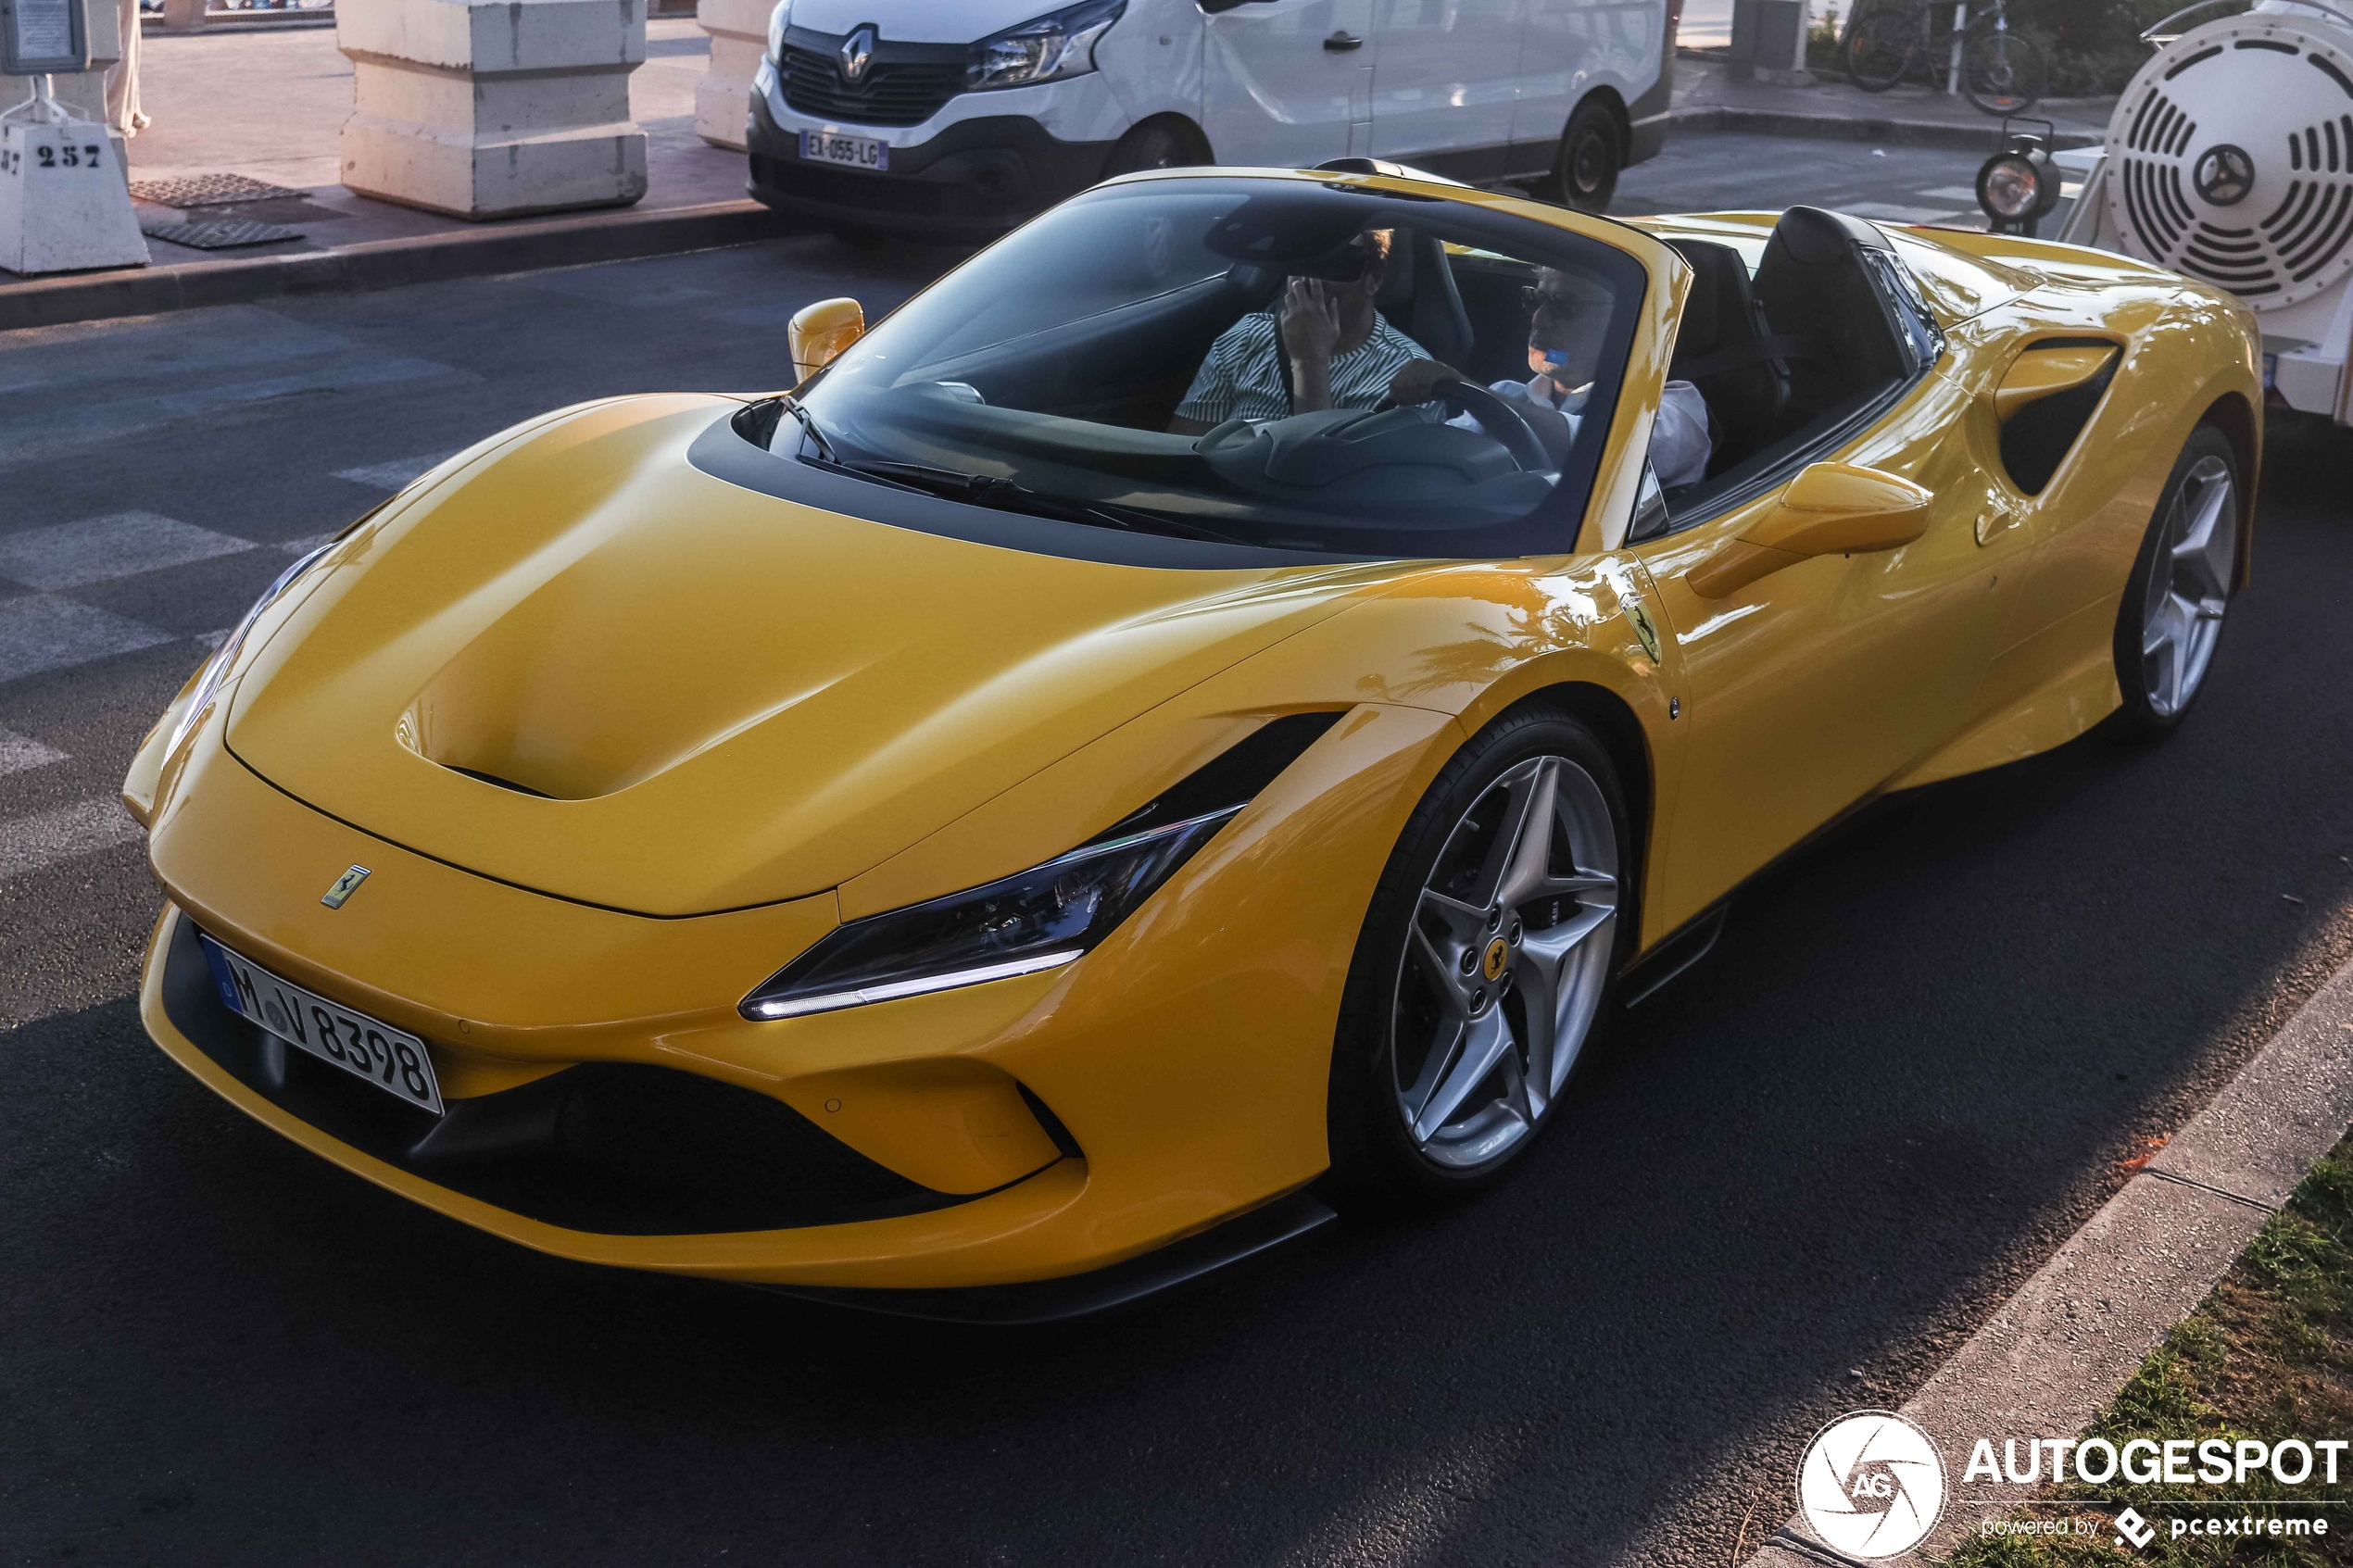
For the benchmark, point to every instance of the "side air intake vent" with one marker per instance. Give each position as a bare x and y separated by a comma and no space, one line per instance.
2038,437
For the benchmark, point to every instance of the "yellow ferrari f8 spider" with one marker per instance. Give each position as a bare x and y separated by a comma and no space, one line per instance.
1211,706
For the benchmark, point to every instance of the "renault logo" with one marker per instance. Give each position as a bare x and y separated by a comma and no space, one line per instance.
858,53
344,886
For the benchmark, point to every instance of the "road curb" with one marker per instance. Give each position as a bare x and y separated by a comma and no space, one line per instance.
1986,139
2061,1346
519,246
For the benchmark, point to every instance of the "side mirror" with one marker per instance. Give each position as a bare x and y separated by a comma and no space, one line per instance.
1830,510
818,334
2045,372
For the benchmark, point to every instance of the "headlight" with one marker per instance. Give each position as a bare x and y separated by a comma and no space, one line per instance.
778,19
1041,919
1056,46
217,668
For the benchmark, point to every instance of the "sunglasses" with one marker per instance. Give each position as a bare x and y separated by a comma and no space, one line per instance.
1533,299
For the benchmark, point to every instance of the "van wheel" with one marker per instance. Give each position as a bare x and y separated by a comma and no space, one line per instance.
1157,143
1585,170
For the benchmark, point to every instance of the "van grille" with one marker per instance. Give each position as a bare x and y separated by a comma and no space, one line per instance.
894,93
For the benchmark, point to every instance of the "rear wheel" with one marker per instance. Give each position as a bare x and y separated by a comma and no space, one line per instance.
2002,74
1491,944
2171,619
1585,169
1879,50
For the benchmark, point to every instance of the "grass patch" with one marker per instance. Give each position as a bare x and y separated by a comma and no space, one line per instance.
2267,1355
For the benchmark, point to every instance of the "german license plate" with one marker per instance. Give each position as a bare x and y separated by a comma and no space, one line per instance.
850,152
391,1058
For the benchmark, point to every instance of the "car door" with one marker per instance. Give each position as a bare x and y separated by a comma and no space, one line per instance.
1287,83
1571,48
1809,688
1448,76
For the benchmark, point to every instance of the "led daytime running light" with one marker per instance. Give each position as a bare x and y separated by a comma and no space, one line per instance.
798,1005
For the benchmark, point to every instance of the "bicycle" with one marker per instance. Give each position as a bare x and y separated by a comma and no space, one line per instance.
2001,72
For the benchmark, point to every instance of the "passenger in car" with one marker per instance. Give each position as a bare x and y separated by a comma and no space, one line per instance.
1567,315
1337,350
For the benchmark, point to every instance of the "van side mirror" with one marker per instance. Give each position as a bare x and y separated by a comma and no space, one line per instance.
1830,510
818,334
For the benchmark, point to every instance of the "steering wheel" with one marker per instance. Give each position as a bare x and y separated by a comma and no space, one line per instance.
1496,416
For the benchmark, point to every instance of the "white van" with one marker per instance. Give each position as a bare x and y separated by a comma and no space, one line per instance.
958,119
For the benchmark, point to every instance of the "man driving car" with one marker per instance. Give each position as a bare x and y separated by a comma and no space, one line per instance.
1567,315
1339,352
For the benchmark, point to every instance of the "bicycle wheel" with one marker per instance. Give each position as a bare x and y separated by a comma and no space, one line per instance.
1880,49
2002,74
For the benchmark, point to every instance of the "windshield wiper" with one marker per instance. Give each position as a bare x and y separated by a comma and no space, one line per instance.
987,490
791,405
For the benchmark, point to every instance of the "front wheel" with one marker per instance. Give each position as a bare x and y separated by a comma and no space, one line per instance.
2002,74
2172,618
1879,50
1158,143
1490,945
1585,169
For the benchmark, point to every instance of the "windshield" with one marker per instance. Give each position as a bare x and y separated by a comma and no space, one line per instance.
1274,363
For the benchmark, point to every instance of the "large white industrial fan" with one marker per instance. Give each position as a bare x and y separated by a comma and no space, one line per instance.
2231,160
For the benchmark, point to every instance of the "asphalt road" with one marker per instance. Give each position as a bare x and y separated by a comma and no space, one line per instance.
1919,1057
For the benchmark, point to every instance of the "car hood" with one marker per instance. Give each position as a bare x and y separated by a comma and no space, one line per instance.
968,21
582,666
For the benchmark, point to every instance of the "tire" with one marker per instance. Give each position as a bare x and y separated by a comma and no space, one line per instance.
1439,1086
1585,168
2170,623
1156,144
2002,74
1880,48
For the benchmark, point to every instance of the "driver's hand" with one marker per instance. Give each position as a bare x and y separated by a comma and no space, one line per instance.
1309,320
1415,383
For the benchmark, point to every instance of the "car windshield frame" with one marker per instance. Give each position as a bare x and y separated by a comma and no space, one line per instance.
928,481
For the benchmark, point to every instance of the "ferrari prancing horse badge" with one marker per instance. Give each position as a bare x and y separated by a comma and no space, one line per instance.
344,886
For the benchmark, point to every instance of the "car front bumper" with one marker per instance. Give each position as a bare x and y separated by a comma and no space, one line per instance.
608,1102
971,181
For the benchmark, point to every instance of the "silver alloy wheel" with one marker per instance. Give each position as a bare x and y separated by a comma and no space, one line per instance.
2189,586
1506,955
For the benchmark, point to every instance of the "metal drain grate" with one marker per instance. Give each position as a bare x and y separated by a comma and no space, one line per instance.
226,234
205,190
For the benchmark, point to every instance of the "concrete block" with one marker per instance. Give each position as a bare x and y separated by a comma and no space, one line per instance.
63,204
738,31
492,109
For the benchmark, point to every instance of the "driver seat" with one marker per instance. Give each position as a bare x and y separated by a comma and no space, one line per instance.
1419,297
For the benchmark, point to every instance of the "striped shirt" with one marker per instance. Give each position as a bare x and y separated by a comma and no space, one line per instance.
1242,376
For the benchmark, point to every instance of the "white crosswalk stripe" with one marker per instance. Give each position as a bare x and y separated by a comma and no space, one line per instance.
122,544
42,632
393,474
32,843
19,753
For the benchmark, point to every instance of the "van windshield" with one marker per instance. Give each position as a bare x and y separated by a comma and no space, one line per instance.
1277,363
